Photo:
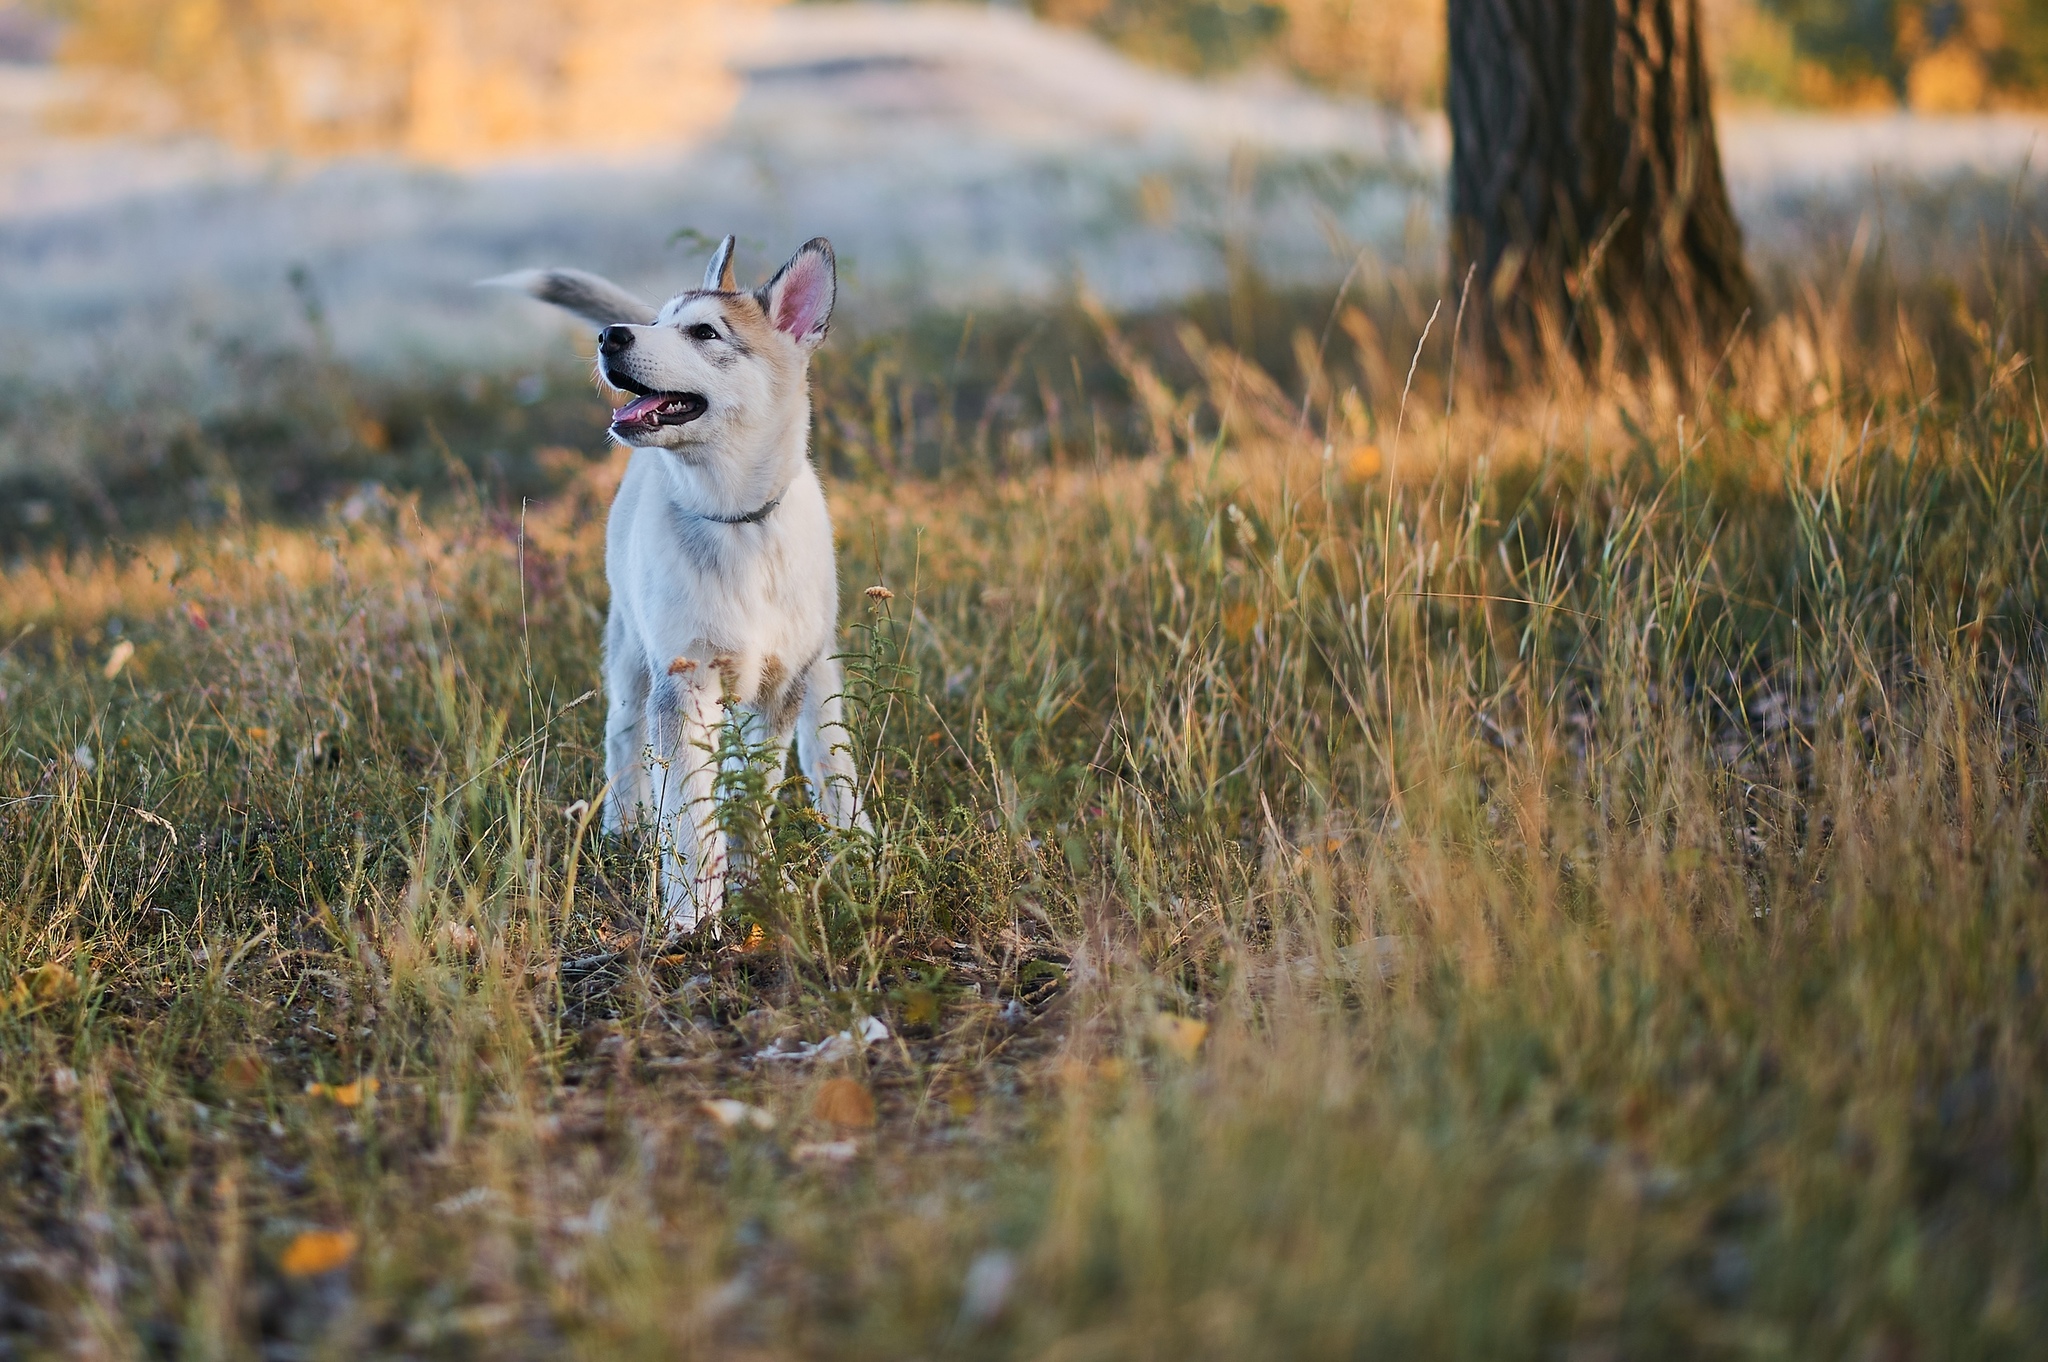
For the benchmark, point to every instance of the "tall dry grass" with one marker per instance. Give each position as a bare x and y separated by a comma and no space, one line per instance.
1389,869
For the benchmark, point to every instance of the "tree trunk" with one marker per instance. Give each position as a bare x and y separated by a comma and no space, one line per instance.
1587,204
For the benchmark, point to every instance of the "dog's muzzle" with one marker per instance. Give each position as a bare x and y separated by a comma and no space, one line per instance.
649,410
650,413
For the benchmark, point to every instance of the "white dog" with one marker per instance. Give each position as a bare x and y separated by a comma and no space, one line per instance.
718,553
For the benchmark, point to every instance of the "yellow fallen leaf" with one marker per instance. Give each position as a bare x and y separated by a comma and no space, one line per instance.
845,1103
118,659
1180,1036
313,1252
345,1094
757,940
51,984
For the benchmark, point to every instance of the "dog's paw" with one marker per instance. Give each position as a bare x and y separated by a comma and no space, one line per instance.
692,906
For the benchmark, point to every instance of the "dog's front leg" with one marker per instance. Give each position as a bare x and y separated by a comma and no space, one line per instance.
626,682
691,864
824,749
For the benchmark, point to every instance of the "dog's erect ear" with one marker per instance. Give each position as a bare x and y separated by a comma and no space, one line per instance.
798,300
588,296
718,274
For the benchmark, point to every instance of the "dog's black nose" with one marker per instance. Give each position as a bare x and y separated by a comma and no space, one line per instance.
615,340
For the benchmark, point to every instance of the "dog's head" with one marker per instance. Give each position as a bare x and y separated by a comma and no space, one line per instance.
713,363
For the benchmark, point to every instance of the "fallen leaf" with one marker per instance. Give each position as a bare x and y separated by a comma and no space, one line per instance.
460,936
118,659
825,1151
757,940
345,1094
835,1046
242,1071
51,984
844,1103
732,1114
920,1007
987,1288
1181,1036
313,1252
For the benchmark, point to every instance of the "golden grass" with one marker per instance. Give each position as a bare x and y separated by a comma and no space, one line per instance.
1570,883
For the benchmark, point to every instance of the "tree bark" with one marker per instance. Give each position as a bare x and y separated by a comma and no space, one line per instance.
1588,209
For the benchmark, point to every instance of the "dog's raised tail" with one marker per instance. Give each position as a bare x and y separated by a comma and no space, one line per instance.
594,298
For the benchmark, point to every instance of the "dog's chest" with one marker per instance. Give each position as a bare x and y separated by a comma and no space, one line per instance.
745,608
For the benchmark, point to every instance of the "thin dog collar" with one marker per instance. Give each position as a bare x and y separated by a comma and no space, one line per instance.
750,518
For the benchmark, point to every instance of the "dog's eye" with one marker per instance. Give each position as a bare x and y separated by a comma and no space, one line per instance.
704,331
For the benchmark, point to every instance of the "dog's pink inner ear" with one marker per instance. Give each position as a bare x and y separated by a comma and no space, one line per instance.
803,296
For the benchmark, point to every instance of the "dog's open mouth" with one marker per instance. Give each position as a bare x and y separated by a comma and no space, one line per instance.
650,411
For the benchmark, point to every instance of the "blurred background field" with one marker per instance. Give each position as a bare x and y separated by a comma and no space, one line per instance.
199,215
1371,863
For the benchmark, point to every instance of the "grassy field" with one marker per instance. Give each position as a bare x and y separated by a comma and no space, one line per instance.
1365,867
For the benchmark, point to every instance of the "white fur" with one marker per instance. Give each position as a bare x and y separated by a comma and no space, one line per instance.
702,607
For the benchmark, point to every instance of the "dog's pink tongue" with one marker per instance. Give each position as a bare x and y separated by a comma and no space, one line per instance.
639,409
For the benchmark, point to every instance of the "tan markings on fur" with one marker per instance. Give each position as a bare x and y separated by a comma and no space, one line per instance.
773,674
750,321
682,666
728,669
782,709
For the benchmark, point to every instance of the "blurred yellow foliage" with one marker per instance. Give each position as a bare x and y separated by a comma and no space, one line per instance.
1392,50
1950,79
451,81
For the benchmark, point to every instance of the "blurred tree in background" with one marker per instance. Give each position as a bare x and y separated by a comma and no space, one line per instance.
1589,216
